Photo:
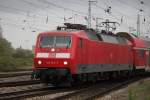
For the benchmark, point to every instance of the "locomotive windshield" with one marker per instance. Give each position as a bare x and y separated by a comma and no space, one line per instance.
55,42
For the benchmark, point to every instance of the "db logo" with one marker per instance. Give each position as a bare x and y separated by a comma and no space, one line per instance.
52,55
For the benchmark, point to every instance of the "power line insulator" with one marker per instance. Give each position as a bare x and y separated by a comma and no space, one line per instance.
142,2
72,26
141,10
108,10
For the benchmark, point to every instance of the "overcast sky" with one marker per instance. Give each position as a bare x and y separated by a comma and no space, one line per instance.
22,20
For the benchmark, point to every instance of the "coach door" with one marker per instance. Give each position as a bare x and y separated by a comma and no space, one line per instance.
147,58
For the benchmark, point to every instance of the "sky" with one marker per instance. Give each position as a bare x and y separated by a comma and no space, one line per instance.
23,20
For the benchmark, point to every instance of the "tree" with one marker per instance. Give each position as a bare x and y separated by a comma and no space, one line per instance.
22,53
5,48
1,31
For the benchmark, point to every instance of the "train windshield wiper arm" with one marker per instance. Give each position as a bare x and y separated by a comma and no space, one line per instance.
68,45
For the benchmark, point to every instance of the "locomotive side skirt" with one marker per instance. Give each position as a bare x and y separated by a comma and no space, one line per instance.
90,68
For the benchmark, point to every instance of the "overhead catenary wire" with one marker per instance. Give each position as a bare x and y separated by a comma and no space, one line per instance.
75,2
22,24
36,6
105,12
127,4
122,15
17,23
80,13
56,6
22,13
22,27
65,8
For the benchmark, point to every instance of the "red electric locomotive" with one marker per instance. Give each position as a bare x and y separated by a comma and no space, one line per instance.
74,53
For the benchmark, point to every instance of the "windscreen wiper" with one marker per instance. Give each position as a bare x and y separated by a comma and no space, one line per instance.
68,44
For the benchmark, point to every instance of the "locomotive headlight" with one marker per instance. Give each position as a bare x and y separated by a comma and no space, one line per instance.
65,63
39,62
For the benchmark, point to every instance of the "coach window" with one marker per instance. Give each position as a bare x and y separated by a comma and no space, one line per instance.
80,43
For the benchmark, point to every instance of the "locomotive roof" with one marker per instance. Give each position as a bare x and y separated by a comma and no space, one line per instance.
79,33
62,32
88,33
91,35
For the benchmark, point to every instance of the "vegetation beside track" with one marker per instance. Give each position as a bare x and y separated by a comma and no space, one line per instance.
141,91
13,59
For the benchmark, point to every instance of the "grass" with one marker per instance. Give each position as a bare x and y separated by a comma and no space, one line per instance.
12,64
140,92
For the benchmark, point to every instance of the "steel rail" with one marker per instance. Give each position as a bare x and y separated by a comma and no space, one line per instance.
25,93
19,83
98,90
37,92
14,74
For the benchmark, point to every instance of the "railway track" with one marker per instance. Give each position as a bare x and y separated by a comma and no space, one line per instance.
19,83
18,78
14,74
22,90
85,92
97,90
17,95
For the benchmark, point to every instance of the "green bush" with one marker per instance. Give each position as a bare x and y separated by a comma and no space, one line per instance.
7,63
13,59
5,48
22,53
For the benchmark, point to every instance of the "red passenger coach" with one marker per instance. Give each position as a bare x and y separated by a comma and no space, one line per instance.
74,53
146,52
140,49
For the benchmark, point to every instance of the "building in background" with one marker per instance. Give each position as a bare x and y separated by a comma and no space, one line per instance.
1,31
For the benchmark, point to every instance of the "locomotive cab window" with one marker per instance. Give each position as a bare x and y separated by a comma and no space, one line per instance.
55,42
47,41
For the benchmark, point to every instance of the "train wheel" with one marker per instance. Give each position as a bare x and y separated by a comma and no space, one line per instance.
44,78
77,80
